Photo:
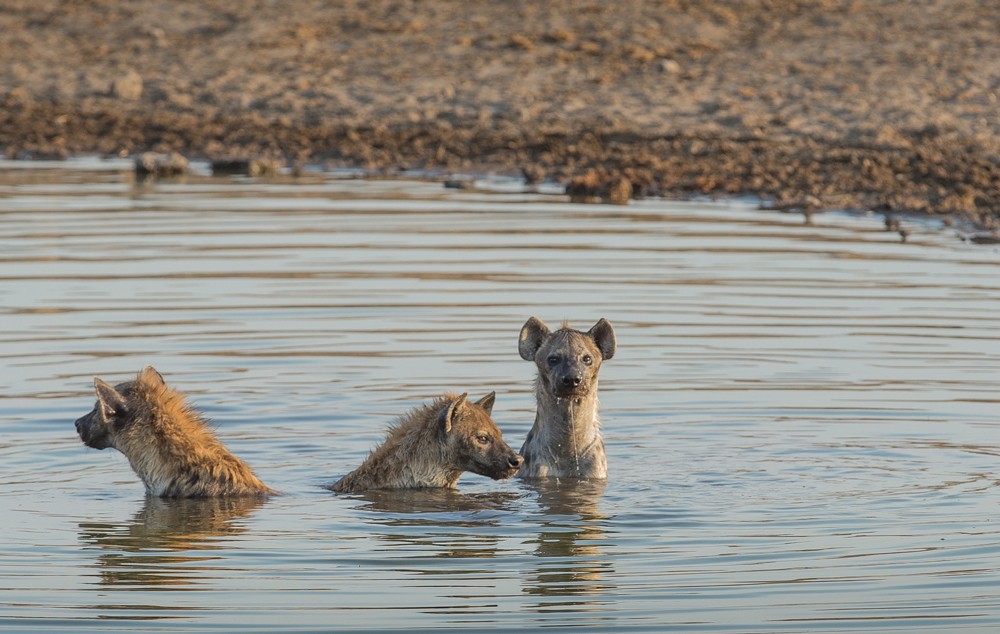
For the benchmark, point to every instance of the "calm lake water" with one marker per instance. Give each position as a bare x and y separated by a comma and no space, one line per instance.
802,421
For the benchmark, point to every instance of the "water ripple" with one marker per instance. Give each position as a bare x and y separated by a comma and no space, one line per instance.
798,417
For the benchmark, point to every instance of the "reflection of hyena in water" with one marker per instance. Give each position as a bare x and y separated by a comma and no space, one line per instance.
158,546
432,446
168,444
566,440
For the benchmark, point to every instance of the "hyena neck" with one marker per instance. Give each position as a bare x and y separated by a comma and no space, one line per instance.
184,459
571,422
414,456
428,464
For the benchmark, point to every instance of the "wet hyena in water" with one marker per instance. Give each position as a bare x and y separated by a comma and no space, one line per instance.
566,440
432,445
168,444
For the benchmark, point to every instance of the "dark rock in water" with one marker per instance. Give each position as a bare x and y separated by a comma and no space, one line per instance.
600,186
985,238
619,192
584,187
154,165
245,167
533,174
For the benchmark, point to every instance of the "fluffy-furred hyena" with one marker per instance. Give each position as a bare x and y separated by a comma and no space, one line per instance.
566,440
168,443
432,445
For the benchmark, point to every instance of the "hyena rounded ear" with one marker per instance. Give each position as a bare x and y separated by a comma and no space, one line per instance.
533,334
487,403
109,401
448,414
150,376
604,336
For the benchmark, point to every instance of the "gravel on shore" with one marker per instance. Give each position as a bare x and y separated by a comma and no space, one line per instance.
809,104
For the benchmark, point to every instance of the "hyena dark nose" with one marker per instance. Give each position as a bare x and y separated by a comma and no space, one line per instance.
515,461
571,381
77,425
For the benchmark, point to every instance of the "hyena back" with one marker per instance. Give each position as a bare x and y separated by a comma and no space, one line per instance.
168,444
432,445
566,439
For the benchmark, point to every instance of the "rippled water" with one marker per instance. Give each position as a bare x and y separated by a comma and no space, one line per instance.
802,421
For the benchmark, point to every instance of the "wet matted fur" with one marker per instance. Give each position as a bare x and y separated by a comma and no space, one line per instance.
432,445
168,443
566,439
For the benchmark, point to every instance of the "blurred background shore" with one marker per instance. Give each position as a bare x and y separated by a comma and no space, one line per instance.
820,104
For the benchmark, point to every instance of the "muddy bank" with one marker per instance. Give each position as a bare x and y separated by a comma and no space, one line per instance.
809,104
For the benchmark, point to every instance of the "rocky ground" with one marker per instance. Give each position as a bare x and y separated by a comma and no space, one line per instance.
809,104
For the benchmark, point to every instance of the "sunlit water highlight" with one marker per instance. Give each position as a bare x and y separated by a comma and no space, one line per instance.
801,420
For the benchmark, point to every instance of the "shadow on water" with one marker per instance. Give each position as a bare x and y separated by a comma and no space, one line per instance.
559,555
440,524
441,501
568,555
168,542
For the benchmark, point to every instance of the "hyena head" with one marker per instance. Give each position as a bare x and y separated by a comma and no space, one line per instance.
568,360
473,441
117,408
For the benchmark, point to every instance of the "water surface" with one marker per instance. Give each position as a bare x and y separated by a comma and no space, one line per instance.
801,419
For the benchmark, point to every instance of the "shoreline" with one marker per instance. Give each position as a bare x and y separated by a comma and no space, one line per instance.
201,170
809,105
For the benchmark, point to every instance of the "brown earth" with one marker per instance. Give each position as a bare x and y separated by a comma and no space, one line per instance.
807,103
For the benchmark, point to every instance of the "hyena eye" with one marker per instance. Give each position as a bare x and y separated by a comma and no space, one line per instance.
483,439
553,360
587,359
